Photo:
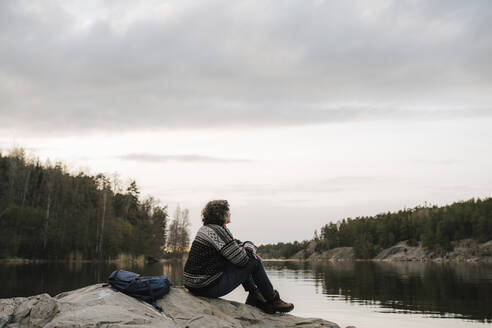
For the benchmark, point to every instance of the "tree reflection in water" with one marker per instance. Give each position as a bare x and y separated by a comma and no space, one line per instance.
56,277
462,290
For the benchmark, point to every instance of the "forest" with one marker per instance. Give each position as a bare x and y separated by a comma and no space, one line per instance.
47,212
433,227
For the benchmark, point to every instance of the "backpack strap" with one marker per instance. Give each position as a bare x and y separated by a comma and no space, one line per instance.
153,303
157,307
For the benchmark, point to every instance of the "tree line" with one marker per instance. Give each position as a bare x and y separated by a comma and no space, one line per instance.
435,228
282,250
48,213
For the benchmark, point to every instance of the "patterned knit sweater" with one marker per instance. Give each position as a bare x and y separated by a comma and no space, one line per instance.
213,246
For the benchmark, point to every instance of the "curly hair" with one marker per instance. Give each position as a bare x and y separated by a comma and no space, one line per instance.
215,212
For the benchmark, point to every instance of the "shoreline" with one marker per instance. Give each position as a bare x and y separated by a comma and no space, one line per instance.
439,260
464,251
16,260
468,261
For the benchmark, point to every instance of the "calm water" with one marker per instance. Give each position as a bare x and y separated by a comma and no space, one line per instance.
364,294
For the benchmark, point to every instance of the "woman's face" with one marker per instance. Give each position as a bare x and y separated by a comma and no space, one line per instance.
228,217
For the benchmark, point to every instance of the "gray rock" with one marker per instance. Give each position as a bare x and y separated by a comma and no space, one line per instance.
35,311
334,254
403,252
465,250
98,306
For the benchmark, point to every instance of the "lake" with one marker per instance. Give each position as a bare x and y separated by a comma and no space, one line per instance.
363,294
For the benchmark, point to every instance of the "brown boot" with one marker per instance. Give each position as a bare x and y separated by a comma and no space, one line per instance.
277,305
256,299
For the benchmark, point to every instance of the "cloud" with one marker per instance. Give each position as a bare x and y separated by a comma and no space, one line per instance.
153,158
79,66
440,162
287,192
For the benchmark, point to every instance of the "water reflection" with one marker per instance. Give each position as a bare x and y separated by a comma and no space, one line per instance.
443,289
446,290
54,278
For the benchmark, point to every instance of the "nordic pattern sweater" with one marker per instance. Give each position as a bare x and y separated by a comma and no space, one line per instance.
213,246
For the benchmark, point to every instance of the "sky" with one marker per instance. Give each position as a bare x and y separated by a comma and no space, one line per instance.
298,112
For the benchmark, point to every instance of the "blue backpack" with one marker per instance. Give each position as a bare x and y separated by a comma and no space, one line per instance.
148,289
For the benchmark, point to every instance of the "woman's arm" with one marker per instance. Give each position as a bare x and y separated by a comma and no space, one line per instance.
248,245
235,253
223,241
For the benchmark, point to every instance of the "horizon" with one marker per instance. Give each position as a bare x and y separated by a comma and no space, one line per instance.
298,113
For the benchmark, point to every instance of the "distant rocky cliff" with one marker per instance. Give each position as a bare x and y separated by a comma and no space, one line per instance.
466,250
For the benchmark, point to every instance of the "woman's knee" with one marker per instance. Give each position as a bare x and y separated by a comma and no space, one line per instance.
254,263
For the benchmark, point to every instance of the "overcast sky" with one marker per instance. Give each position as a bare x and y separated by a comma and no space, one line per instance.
297,112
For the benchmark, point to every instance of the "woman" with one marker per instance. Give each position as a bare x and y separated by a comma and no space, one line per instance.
218,263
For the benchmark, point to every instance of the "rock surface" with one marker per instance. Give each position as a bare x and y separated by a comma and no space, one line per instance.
334,254
99,306
466,250
303,254
403,252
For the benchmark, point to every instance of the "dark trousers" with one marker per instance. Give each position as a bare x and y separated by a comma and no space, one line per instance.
250,276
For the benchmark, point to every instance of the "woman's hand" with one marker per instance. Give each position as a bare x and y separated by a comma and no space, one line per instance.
257,256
